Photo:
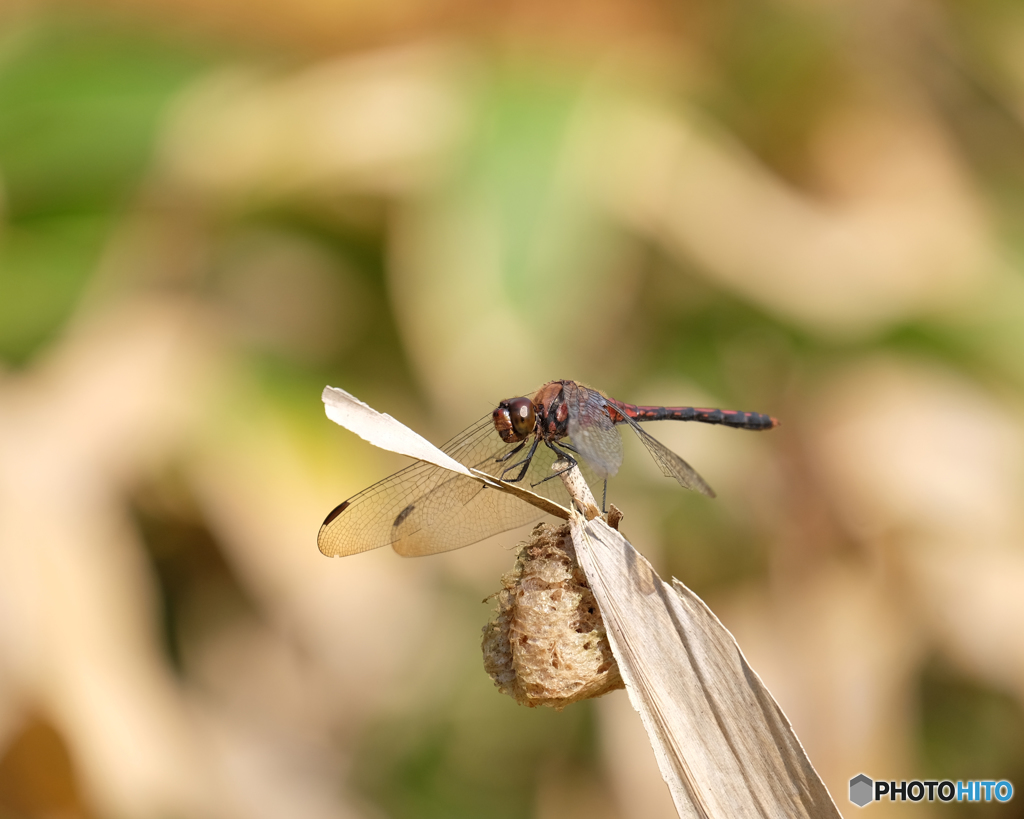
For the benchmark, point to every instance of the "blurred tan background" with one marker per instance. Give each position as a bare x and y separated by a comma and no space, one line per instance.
212,209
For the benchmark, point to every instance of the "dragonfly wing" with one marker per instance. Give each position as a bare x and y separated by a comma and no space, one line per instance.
459,512
592,431
367,520
671,465
424,509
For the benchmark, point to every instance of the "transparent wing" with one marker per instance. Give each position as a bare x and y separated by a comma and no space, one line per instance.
591,430
459,512
424,509
671,465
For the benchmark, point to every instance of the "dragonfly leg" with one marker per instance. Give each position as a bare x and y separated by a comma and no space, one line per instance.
563,455
524,464
604,497
508,455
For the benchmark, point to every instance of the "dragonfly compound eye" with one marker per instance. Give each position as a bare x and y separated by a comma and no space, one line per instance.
523,418
514,419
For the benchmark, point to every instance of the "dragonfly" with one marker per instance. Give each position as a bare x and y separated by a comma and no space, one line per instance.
425,509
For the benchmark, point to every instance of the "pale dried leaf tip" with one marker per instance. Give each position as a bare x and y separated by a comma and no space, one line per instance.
384,431
547,644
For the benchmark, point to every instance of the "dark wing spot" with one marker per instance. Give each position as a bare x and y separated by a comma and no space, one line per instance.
337,510
404,514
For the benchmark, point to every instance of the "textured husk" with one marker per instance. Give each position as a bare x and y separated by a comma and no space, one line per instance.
546,644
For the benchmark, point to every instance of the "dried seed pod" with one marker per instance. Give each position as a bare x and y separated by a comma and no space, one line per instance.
546,644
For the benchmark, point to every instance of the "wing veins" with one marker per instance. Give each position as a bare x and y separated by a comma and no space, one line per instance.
672,466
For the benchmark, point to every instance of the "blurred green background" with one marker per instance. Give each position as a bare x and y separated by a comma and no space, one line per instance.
208,211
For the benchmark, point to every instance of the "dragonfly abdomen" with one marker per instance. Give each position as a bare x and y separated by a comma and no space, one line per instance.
730,418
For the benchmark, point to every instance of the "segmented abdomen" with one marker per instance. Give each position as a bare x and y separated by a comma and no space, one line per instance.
729,418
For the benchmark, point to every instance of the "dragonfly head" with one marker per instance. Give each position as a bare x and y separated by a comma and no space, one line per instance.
515,419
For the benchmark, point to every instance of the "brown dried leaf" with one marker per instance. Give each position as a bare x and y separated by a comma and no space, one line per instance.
724,746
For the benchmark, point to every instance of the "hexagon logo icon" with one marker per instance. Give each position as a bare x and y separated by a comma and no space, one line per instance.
861,790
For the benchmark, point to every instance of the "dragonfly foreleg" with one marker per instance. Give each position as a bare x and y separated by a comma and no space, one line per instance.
525,463
508,455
